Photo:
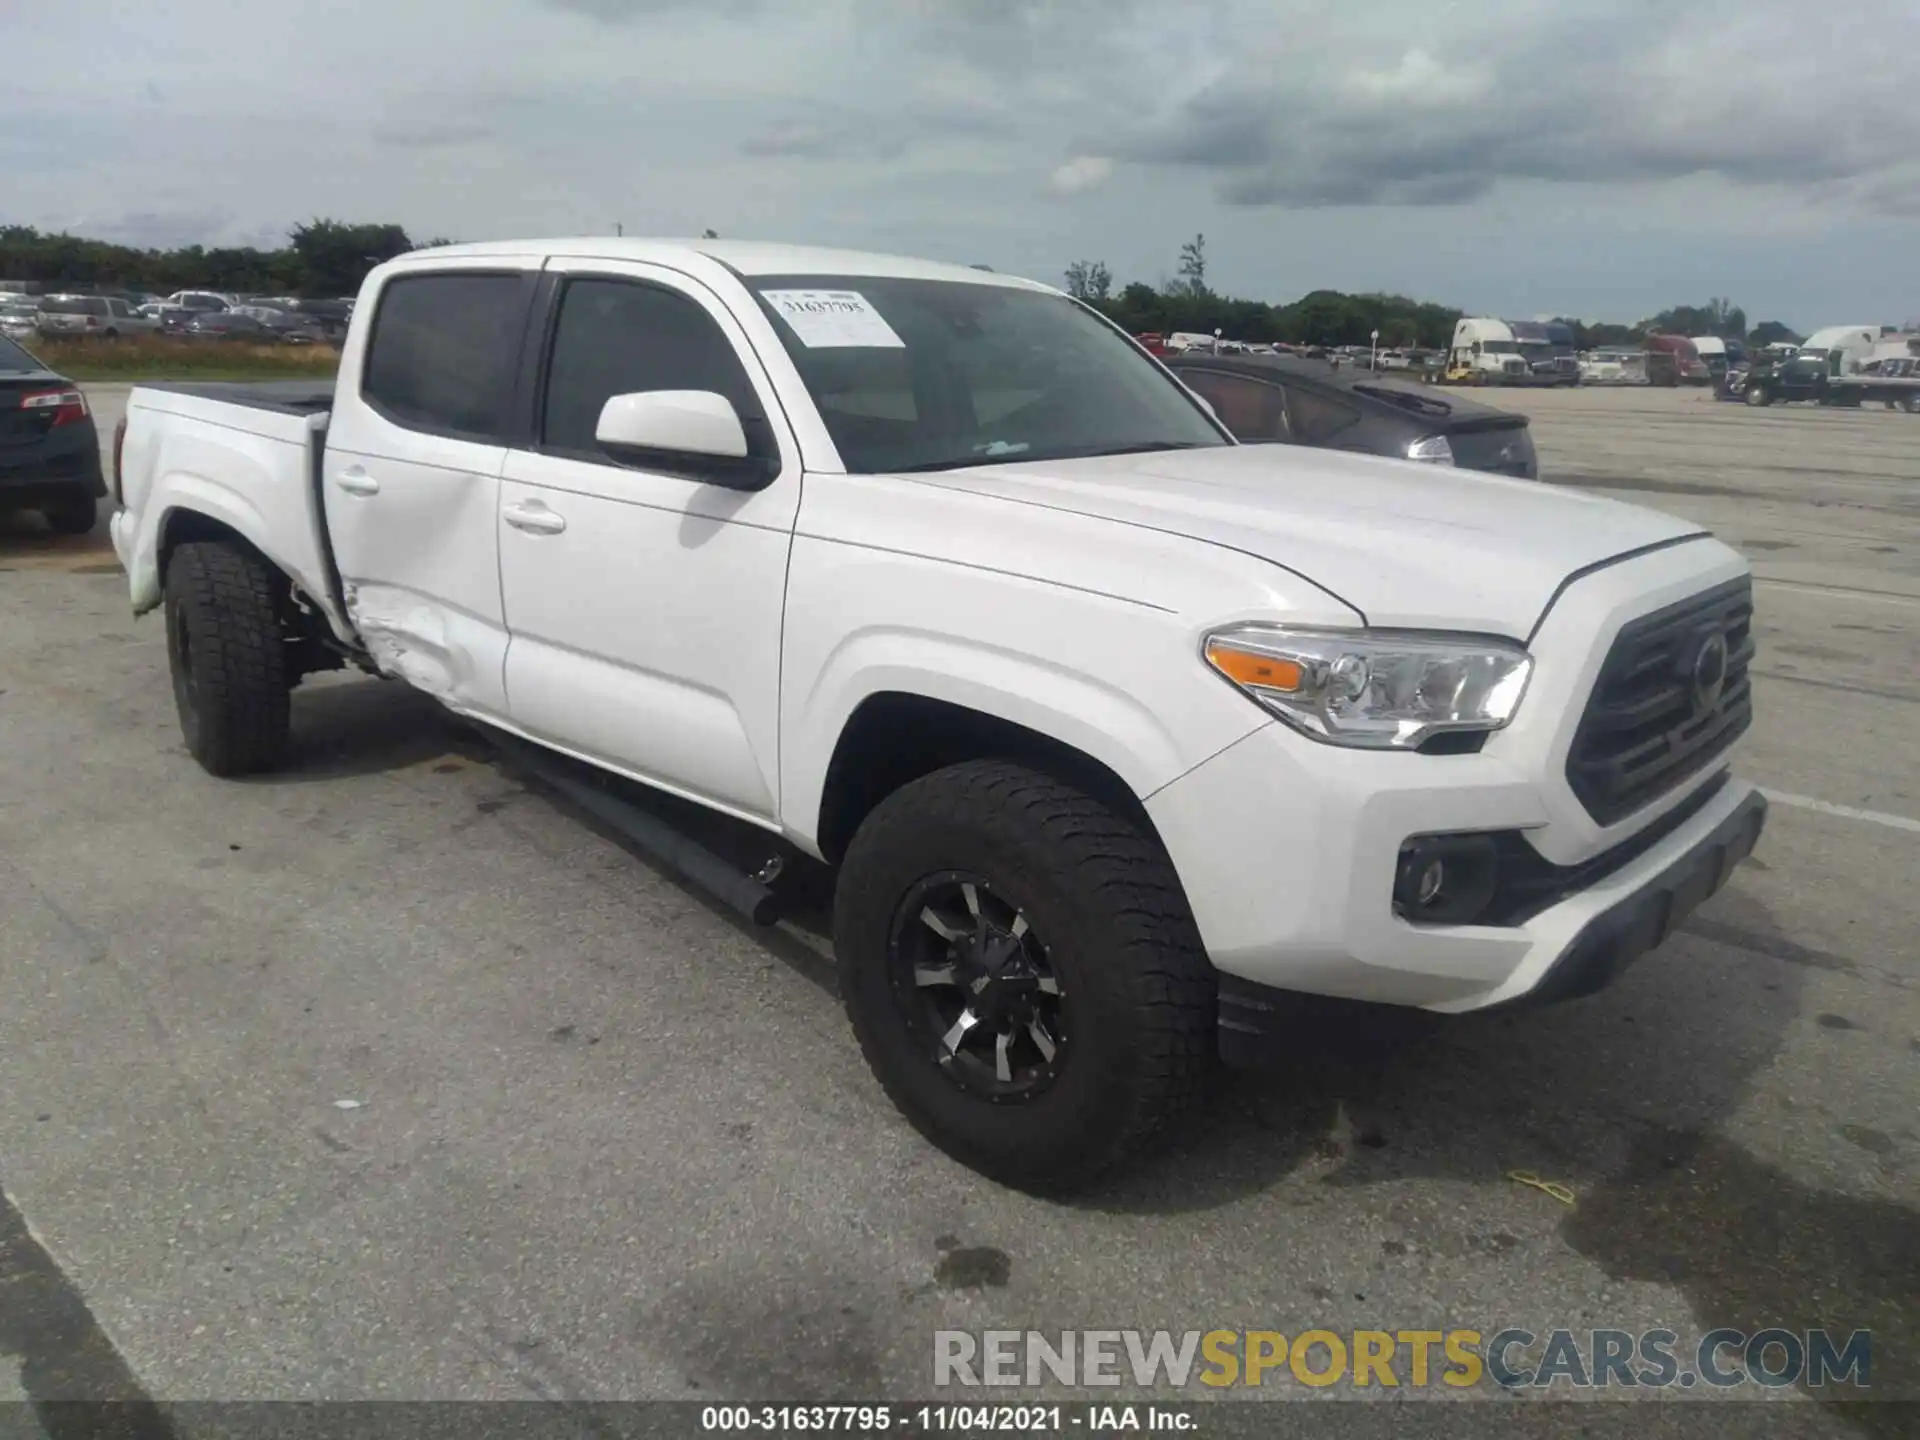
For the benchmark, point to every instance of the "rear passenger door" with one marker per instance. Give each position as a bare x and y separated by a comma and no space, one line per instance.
411,474
645,605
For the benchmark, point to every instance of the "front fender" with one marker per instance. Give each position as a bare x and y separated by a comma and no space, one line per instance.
1104,717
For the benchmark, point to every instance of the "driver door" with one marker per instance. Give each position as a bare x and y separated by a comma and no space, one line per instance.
643,606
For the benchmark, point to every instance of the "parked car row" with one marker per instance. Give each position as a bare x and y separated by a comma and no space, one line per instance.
188,314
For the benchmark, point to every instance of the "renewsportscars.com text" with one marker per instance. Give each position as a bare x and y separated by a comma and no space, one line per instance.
1412,1359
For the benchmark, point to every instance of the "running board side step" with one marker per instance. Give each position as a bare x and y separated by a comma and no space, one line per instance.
670,849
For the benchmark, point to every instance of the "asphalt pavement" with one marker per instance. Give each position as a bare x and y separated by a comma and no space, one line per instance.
388,1077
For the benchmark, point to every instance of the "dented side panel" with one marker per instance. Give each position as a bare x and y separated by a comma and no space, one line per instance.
456,658
419,561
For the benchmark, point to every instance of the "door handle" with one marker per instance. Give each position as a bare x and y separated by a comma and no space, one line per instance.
535,519
357,482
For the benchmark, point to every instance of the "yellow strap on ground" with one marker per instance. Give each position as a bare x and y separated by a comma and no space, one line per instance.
1552,1187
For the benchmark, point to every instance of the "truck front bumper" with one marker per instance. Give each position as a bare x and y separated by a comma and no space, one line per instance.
1296,893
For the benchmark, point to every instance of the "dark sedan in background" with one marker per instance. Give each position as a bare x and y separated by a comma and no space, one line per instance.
226,325
1278,399
49,452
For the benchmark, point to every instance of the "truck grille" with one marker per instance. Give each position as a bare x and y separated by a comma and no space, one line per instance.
1655,716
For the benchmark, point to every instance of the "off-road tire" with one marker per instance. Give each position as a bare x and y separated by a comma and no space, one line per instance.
74,513
1103,899
231,681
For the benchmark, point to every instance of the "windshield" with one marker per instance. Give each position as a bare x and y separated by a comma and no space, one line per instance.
939,374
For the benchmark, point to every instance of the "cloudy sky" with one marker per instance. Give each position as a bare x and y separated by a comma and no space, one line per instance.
1603,158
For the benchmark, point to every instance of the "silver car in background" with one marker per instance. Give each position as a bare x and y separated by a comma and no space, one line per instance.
96,317
19,317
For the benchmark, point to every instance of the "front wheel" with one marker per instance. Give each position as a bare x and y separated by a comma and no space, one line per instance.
1757,395
231,680
1022,973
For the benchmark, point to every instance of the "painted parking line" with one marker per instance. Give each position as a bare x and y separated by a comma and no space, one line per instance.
1843,812
1841,592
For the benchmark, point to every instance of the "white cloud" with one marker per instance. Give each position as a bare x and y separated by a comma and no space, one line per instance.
928,125
1082,172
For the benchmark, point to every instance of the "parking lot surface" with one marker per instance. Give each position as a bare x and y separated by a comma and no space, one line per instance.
388,1077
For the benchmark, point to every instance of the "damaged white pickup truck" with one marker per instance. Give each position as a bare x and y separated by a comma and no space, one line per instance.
1116,731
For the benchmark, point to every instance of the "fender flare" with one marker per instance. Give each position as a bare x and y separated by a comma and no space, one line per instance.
1067,707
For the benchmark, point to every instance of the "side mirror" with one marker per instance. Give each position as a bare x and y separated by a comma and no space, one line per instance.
695,433
673,422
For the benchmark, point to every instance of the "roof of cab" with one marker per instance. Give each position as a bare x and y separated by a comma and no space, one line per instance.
746,257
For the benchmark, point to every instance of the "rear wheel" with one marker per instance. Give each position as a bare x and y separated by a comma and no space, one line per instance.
72,513
1022,973
231,680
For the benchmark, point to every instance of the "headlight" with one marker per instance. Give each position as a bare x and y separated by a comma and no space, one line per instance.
1433,448
1373,689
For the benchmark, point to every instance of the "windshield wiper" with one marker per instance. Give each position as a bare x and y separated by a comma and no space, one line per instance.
1145,447
963,462
969,462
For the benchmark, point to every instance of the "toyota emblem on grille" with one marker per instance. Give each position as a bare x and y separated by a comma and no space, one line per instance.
1709,672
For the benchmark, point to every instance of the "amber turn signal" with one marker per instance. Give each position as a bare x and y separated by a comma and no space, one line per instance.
1250,668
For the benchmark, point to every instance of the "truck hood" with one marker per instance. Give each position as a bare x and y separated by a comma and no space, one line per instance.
1406,544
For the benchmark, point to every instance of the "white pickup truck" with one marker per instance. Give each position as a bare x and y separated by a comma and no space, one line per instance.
1115,731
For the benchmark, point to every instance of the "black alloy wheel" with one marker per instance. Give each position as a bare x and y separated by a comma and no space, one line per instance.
977,990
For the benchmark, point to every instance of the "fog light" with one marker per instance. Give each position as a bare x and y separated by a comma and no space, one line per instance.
1445,879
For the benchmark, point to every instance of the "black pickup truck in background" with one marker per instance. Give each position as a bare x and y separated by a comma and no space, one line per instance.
1895,383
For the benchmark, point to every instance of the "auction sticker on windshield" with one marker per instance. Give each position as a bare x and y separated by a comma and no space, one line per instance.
833,319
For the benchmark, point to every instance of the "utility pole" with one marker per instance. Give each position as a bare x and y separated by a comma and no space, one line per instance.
618,228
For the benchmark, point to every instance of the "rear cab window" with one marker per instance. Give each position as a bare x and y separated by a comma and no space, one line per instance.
444,351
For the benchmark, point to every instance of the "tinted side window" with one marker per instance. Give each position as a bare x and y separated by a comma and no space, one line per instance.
618,337
443,352
1252,409
1317,419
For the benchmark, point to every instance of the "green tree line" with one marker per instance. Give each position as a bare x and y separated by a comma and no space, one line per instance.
320,258
1332,317
331,257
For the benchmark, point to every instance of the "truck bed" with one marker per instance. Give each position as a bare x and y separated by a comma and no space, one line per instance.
285,397
246,456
